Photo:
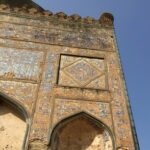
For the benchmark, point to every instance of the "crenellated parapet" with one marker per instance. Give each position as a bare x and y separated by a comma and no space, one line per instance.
106,19
64,74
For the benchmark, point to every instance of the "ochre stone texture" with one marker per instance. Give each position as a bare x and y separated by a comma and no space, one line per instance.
12,128
64,75
81,133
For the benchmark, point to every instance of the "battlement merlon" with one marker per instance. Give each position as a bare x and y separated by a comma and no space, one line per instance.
56,66
42,26
36,12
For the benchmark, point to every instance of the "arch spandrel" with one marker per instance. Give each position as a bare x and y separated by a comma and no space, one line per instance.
8,98
81,131
24,93
65,108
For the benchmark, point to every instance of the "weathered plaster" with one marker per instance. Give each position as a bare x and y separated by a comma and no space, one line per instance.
56,69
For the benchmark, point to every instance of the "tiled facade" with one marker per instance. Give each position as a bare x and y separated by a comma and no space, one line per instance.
57,68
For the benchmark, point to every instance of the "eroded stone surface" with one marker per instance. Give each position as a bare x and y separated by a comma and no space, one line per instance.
80,133
23,65
12,128
58,68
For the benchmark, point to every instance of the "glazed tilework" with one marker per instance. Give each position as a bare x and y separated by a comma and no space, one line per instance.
53,36
16,64
25,93
65,108
88,77
119,106
82,72
41,124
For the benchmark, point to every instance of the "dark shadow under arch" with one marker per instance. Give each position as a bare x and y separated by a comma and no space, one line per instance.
17,106
85,117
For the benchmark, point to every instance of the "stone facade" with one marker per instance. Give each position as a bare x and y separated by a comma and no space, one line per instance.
64,72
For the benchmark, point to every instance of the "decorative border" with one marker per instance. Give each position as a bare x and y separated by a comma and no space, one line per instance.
83,56
128,104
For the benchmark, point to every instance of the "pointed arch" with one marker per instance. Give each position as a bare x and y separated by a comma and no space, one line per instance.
20,108
82,118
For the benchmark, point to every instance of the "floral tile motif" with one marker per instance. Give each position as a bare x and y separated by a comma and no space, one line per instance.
82,72
65,108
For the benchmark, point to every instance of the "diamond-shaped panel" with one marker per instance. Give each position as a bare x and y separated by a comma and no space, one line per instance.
99,83
82,72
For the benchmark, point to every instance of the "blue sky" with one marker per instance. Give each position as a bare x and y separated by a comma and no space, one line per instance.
132,22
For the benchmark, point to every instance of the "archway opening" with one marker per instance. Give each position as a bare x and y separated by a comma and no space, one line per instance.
12,126
81,132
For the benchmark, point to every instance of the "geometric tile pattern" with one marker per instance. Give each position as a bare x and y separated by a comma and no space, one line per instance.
82,72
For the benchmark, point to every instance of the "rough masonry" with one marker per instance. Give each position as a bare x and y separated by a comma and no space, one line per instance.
63,74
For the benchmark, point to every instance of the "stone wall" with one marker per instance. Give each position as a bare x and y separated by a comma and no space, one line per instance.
12,128
57,68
